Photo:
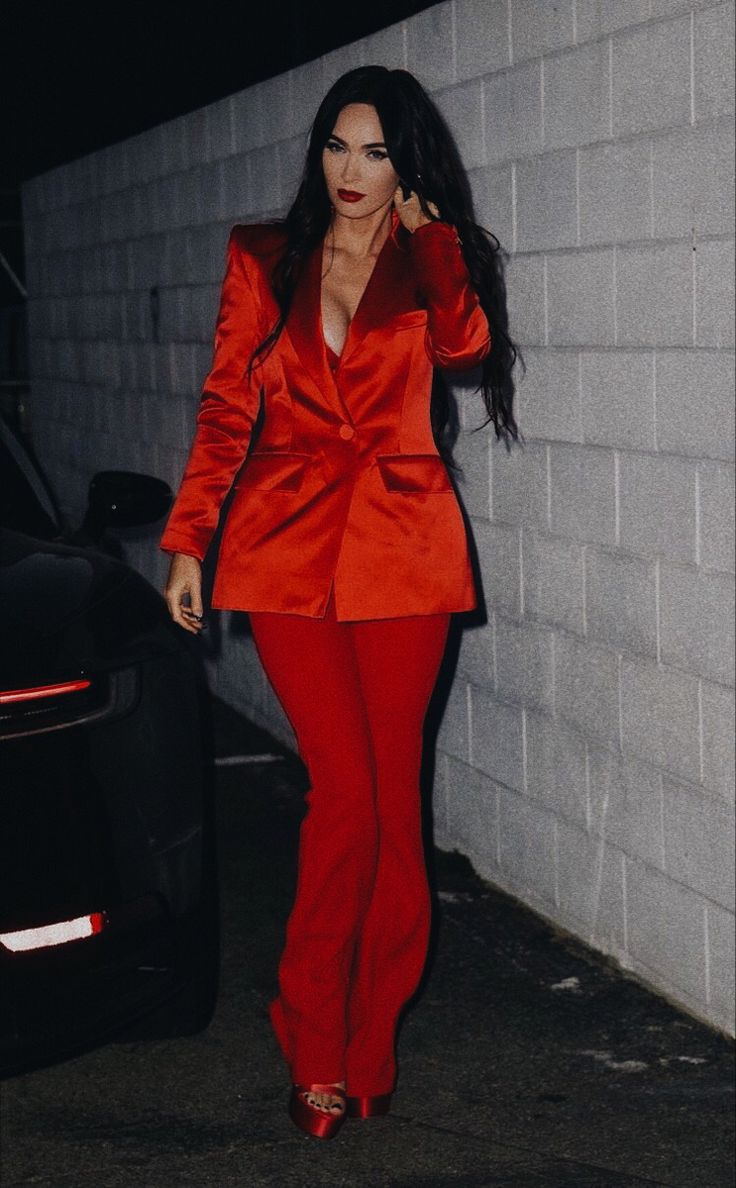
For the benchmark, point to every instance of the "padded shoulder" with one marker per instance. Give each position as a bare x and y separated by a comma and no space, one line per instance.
259,239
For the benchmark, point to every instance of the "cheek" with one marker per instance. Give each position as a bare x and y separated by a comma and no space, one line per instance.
388,181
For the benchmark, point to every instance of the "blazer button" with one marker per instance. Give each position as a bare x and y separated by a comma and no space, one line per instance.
346,432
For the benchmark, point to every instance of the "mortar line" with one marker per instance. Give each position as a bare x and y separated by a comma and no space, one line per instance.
701,731
692,67
509,33
697,515
541,99
657,625
524,776
610,87
706,946
577,197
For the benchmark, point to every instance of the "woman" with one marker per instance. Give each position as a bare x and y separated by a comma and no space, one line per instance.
345,541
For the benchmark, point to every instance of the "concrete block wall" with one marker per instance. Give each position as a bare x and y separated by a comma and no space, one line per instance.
585,758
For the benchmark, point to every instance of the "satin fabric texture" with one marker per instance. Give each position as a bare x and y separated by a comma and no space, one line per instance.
356,696
342,487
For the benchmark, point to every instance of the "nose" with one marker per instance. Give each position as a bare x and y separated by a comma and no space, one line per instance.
351,168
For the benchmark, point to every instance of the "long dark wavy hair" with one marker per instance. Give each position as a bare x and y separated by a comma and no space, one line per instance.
423,153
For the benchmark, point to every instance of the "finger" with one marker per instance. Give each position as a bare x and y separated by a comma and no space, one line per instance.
174,596
195,600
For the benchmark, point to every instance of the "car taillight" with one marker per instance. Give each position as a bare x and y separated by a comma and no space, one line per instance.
78,701
46,935
7,696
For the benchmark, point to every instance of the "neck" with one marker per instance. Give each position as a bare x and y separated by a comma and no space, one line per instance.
361,237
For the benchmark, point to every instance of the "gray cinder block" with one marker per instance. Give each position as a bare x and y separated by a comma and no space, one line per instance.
482,32
665,927
697,621
549,395
524,664
527,837
651,77
615,192
556,769
499,560
472,453
654,294
580,295
719,727
721,967
554,590
527,299
714,61
461,105
546,201
583,486
576,95
477,654
430,48
539,28
454,736
590,887
595,18
693,181
716,518
695,405
660,718
513,112
472,808
496,738
621,601
626,805
714,284
587,688
698,838
657,505
493,200
617,398
519,485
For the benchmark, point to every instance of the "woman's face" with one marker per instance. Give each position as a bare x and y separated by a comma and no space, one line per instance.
359,176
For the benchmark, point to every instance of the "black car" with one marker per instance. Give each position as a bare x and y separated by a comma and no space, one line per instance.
108,892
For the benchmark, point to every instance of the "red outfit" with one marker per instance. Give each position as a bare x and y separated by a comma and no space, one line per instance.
345,541
356,942
344,483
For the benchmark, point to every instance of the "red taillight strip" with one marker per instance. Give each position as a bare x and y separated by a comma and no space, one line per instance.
46,935
43,691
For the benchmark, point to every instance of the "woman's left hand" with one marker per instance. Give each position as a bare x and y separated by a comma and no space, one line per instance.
410,210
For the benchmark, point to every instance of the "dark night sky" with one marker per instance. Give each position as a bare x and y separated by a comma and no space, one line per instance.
78,75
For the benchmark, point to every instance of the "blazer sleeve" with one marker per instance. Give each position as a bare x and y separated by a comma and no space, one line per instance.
227,412
458,334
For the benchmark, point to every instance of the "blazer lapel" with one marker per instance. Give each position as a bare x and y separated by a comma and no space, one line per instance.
386,293
304,326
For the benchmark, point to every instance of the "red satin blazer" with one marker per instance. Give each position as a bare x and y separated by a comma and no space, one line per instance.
344,483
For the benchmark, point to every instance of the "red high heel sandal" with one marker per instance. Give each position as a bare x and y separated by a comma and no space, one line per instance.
368,1107
311,1119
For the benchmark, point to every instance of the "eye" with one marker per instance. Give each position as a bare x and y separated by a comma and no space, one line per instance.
333,147
378,155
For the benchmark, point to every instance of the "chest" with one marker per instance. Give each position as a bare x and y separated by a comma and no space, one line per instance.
343,283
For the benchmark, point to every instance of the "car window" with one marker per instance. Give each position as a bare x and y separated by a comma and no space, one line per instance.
26,504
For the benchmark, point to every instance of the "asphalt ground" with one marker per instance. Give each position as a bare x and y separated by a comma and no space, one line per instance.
525,1059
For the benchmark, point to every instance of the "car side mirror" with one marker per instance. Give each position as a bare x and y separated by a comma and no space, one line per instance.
124,499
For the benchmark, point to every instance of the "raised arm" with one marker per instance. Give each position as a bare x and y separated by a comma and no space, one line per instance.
458,335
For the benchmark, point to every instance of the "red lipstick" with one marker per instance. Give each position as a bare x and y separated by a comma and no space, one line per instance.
349,195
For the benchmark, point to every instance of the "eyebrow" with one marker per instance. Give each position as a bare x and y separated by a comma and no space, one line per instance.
372,145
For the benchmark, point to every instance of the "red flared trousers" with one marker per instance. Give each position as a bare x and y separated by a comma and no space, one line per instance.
356,694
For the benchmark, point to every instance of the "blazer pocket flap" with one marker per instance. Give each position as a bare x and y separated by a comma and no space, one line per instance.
274,471
424,473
